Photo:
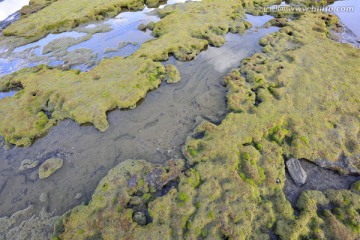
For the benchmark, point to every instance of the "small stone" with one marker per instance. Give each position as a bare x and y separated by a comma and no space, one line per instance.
142,27
78,196
151,26
49,167
140,218
43,197
28,164
296,171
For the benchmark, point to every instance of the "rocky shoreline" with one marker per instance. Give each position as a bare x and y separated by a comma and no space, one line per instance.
296,99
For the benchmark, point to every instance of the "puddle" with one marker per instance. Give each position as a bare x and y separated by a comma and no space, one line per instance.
118,36
156,130
125,38
8,7
349,18
258,21
39,45
7,94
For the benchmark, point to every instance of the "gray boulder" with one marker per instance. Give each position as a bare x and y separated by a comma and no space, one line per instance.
296,171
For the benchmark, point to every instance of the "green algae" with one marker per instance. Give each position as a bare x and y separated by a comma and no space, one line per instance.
49,167
61,45
186,30
129,174
173,75
281,93
233,189
67,14
65,94
34,6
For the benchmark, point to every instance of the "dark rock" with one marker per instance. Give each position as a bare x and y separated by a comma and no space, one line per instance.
142,27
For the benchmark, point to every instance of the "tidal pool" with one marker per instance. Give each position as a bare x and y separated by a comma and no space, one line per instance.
155,131
118,36
7,94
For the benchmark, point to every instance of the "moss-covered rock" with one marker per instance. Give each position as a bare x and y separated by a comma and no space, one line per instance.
50,95
300,92
35,6
57,94
49,167
65,15
297,98
172,74
122,216
187,29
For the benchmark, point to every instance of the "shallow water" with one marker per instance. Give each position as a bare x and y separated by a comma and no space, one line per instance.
8,7
121,39
350,19
154,131
7,94
39,45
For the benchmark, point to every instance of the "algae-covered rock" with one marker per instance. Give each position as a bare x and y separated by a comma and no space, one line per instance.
285,102
142,27
154,3
28,164
172,74
114,201
49,167
27,224
49,95
34,6
65,15
302,93
187,29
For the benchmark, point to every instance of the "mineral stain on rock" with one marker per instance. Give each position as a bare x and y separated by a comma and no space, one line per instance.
49,167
